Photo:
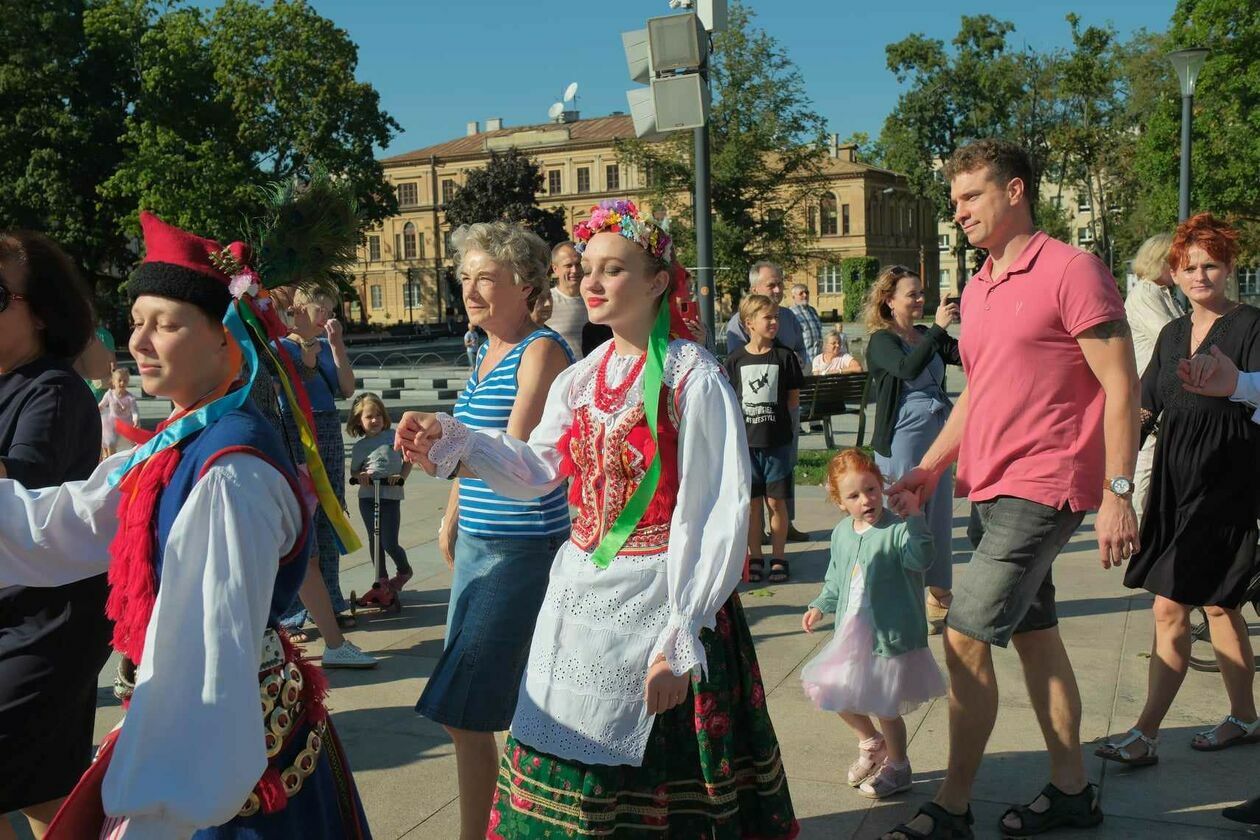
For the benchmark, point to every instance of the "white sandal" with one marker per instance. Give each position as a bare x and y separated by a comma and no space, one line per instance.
1118,751
1209,740
871,755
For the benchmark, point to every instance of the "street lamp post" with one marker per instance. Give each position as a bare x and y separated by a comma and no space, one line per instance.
1187,63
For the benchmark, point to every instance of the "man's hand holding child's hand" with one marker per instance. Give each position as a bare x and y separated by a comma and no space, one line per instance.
905,503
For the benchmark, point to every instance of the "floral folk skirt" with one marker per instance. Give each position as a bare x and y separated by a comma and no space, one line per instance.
711,770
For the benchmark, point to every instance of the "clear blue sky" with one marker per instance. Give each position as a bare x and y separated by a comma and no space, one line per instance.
440,63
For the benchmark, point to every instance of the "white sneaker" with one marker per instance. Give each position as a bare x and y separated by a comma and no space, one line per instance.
348,656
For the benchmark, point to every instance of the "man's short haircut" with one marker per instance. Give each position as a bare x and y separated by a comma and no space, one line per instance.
755,272
555,252
799,287
1005,161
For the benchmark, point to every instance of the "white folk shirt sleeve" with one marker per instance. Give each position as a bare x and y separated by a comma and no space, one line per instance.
709,531
58,535
1248,391
191,746
525,469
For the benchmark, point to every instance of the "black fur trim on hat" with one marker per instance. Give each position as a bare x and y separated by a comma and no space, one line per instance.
178,283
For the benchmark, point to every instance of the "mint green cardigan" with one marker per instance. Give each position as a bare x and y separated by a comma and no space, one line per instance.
893,555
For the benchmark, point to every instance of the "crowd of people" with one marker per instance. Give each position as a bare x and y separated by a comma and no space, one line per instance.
611,484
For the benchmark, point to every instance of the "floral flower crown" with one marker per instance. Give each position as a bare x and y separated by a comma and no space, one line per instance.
621,216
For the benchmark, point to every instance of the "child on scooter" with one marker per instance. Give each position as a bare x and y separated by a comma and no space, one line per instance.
374,457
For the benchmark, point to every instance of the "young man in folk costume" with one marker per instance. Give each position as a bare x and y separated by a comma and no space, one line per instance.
205,533
642,710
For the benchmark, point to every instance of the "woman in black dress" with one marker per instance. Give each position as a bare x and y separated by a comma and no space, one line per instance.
1199,527
53,642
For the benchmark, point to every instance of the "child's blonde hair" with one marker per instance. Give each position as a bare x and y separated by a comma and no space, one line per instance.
354,426
119,373
753,304
847,461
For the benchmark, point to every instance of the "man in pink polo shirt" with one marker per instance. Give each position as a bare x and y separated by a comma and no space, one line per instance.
1053,434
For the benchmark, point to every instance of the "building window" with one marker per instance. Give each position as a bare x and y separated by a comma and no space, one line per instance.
448,190
944,281
553,182
1084,235
407,195
409,241
1082,205
584,179
829,280
376,297
612,176
374,249
827,209
1249,281
411,294
942,241
811,220
844,219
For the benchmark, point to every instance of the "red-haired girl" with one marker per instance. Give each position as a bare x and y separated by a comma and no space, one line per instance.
878,663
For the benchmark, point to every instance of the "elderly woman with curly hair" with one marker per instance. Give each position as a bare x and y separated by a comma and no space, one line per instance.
499,548
1198,537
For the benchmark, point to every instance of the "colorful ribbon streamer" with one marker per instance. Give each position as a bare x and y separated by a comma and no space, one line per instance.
637,505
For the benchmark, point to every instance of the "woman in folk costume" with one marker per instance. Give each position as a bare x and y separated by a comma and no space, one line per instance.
642,708
205,534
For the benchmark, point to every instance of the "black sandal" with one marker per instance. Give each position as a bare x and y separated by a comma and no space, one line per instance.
780,571
756,568
1067,810
945,826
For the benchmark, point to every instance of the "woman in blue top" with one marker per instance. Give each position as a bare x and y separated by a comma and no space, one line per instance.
907,370
500,548
319,354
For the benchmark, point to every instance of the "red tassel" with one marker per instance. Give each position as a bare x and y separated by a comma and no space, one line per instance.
314,681
132,569
270,790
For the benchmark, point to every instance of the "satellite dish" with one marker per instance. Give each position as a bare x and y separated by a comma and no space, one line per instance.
556,110
570,92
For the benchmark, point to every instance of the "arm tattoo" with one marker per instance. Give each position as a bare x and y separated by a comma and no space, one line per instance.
1107,331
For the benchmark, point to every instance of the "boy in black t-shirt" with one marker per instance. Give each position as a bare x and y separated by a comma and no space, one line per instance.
767,377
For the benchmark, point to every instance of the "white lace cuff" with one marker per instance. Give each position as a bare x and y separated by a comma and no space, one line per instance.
681,647
451,448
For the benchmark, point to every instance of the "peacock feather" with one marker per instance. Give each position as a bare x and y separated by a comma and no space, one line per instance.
308,233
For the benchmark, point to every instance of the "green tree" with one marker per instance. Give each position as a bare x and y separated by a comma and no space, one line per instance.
64,73
506,189
857,276
1226,147
249,95
766,149
980,87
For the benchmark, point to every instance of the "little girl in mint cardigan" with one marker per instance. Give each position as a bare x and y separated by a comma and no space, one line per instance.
877,663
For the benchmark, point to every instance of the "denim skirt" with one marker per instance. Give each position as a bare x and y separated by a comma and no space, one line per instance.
496,593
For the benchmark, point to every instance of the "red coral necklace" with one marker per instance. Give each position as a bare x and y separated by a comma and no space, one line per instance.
609,399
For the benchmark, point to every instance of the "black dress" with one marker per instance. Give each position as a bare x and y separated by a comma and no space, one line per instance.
53,642
1199,528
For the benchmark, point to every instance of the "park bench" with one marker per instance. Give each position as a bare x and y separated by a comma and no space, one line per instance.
823,397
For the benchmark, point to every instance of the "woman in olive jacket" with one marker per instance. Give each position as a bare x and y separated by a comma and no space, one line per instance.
907,362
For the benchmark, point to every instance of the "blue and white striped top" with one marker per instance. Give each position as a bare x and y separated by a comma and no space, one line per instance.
487,404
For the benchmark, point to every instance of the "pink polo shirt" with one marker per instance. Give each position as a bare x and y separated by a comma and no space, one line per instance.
1035,410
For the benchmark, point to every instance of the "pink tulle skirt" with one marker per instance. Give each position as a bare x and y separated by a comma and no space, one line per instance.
847,676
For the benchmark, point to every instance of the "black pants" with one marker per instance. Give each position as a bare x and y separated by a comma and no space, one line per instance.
391,519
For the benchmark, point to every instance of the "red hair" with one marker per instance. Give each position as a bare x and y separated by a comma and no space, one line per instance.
847,461
1205,231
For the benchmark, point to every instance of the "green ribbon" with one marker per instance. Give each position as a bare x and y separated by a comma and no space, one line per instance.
632,513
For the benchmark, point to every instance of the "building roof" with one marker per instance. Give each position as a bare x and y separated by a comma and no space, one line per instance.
596,130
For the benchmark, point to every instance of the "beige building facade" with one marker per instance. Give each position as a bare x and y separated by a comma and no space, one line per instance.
860,210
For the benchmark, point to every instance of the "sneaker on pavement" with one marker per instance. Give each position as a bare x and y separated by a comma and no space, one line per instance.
348,656
889,780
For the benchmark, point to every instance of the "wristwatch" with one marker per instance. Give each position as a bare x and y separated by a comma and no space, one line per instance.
1121,486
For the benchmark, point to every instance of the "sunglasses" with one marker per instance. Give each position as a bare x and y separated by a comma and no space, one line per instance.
7,297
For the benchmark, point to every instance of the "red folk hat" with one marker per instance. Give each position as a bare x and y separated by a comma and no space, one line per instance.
182,266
